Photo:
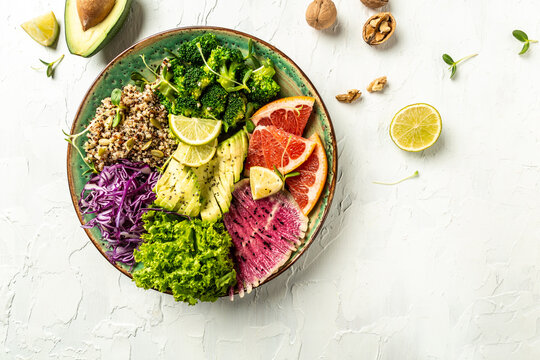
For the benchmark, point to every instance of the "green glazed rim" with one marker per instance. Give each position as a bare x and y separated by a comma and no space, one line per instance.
292,79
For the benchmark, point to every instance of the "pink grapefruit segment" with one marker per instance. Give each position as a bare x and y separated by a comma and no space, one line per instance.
270,146
290,114
307,187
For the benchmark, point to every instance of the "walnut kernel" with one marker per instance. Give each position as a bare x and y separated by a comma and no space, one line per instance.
350,96
377,84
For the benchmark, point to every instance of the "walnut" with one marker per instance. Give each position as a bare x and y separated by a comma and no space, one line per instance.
350,96
377,84
374,4
321,14
379,28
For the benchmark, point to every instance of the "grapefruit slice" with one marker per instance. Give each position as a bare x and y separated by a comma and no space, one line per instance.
290,114
307,187
271,147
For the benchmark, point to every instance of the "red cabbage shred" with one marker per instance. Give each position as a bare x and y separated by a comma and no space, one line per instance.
118,197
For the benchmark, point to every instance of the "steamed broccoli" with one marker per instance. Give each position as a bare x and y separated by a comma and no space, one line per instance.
262,87
188,52
193,81
187,106
214,101
235,111
227,64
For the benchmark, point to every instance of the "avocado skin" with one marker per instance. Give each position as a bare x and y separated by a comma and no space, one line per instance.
108,36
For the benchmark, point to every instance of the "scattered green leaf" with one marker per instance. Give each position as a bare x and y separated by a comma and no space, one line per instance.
416,174
453,64
524,38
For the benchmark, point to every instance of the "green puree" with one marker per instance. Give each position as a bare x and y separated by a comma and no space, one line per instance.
189,258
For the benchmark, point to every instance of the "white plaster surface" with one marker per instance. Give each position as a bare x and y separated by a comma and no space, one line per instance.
445,266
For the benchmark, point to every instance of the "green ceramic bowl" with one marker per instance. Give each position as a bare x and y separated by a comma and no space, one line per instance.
293,82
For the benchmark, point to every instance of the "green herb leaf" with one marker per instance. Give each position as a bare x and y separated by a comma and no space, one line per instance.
525,48
448,59
416,174
520,35
453,72
116,96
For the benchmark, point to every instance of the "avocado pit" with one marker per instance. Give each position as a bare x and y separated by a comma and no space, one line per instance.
92,12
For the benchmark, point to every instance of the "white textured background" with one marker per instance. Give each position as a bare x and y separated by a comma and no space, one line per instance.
445,266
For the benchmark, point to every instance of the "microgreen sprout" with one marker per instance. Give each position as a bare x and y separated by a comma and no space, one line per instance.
71,139
52,65
163,80
524,38
453,64
416,174
285,177
116,96
251,55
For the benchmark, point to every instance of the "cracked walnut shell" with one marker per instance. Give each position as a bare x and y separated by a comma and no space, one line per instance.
379,28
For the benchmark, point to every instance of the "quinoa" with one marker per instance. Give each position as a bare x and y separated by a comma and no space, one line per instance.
142,112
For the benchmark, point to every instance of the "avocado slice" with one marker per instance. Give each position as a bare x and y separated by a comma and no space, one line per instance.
218,176
179,191
89,42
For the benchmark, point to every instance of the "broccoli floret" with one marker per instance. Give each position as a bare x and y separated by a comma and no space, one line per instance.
188,52
235,111
193,82
214,101
187,106
262,87
227,64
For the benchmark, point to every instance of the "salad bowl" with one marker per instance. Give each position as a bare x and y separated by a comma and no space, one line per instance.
293,82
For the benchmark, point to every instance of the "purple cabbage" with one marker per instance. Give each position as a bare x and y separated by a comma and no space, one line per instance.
119,196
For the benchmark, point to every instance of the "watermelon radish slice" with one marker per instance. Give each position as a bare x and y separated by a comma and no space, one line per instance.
264,232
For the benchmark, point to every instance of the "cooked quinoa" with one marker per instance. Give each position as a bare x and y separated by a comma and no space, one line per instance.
143,135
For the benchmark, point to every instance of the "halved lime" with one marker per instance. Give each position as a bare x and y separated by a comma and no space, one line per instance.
44,29
416,127
195,155
264,182
194,131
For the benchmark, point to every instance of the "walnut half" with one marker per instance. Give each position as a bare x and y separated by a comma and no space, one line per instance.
350,96
377,85
379,28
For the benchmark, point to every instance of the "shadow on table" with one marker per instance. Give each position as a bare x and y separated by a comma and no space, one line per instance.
128,34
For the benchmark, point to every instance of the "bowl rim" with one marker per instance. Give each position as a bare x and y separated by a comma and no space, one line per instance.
147,41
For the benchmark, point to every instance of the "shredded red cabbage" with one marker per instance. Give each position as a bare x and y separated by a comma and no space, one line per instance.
118,196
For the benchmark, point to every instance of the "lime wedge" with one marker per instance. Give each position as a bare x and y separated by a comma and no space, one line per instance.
264,182
416,127
44,29
194,131
193,155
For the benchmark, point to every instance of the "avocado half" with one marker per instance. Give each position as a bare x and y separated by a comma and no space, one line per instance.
89,42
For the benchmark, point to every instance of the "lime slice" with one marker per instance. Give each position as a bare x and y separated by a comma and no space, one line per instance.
44,29
194,131
416,127
264,182
195,156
